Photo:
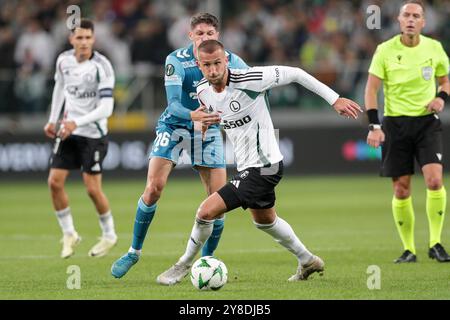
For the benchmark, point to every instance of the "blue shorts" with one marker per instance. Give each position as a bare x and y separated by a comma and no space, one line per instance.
172,141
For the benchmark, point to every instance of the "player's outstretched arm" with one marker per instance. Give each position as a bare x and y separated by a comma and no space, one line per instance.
283,75
347,108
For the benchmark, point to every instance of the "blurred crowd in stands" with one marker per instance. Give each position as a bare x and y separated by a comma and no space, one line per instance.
330,38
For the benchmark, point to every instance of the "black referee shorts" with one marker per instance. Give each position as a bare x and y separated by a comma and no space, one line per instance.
252,188
409,138
79,152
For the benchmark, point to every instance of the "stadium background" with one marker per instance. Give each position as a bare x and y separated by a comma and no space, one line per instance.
329,39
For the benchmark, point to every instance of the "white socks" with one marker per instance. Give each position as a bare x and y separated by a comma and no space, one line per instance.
106,223
107,226
280,230
282,233
200,233
65,220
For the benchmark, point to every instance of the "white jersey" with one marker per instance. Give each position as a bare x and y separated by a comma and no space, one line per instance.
83,85
244,109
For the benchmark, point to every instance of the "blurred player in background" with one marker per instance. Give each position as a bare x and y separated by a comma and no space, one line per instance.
84,82
174,128
240,96
407,65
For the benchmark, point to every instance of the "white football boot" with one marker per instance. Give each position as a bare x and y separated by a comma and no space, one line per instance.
102,247
304,271
69,241
174,274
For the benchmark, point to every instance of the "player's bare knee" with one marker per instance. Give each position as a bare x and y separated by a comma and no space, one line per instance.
402,188
401,192
434,183
202,213
153,191
55,184
205,213
93,192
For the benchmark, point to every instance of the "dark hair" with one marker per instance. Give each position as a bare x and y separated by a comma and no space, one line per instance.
418,2
85,24
210,46
206,18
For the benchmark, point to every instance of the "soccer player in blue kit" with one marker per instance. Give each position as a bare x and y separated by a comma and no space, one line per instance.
175,131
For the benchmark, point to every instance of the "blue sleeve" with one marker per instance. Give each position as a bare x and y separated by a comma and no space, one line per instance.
173,93
237,63
174,72
173,81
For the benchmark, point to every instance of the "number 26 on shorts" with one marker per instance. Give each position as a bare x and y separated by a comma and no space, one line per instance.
162,140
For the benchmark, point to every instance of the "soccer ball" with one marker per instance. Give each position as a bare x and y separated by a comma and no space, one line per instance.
209,273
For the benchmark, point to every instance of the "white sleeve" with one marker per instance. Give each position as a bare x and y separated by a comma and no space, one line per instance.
57,102
105,104
106,75
58,94
200,92
275,76
104,109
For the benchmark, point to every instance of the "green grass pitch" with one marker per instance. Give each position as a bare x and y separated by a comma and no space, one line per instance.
347,220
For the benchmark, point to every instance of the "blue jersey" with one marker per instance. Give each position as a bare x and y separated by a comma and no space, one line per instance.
181,78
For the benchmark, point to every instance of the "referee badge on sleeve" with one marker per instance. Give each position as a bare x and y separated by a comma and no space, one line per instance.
427,72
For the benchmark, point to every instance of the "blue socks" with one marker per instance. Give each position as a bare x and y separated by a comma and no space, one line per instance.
213,241
144,216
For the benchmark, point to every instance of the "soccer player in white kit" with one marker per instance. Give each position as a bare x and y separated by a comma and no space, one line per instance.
84,83
240,98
